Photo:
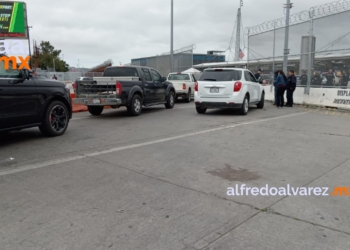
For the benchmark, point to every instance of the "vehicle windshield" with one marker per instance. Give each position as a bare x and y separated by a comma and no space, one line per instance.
8,73
222,76
121,71
179,77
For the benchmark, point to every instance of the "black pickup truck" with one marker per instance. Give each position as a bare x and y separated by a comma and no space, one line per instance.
129,86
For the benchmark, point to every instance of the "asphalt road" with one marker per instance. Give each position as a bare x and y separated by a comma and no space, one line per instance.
159,181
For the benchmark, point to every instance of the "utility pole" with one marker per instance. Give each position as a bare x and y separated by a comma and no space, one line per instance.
29,48
274,46
172,37
238,32
287,6
311,53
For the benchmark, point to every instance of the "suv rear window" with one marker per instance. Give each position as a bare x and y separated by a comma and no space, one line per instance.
179,77
120,71
221,76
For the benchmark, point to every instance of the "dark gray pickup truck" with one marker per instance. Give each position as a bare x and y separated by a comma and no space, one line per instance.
129,86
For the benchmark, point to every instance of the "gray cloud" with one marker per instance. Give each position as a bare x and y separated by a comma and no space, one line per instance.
123,29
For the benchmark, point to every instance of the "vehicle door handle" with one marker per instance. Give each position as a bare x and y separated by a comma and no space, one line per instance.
146,85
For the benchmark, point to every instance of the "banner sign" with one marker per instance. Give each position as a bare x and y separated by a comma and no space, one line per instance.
13,20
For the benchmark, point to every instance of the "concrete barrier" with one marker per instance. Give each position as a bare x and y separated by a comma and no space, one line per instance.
326,97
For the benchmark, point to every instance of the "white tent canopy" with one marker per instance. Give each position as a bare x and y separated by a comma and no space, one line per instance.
191,70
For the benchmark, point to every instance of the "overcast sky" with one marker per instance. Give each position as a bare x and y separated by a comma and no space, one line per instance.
94,31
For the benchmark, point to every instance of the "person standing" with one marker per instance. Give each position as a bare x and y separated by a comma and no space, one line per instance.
330,78
303,78
345,80
316,79
258,75
291,86
280,82
275,87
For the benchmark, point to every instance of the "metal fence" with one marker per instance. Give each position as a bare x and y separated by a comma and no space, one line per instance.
319,41
93,74
183,60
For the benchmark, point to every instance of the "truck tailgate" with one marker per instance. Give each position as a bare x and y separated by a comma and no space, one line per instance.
113,80
178,85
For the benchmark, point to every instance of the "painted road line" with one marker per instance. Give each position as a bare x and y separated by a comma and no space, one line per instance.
132,146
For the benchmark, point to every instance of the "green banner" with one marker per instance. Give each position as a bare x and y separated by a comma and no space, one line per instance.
13,20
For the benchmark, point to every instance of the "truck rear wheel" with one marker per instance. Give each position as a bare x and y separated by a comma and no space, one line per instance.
188,97
170,101
95,110
135,107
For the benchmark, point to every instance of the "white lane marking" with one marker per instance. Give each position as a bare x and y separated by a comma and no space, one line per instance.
112,150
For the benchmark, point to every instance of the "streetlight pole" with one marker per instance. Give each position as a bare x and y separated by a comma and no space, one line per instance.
238,32
288,6
172,37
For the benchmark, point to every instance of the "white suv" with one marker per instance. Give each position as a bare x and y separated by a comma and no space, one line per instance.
228,88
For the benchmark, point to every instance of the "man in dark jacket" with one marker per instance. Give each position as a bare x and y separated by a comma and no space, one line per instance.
345,79
303,79
330,78
258,75
316,80
291,85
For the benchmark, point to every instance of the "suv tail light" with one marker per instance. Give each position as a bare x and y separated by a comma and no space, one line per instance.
196,86
237,87
74,86
184,86
119,88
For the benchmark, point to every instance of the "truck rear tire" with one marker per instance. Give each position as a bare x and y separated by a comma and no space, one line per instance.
170,102
95,110
188,97
135,107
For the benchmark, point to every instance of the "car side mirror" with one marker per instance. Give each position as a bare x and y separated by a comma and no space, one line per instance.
163,79
26,74
261,81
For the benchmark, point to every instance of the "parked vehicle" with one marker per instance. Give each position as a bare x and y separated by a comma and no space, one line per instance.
27,101
230,88
183,84
129,86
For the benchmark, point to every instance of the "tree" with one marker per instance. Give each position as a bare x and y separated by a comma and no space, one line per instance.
48,57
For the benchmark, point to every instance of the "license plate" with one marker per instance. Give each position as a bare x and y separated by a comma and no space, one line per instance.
214,90
96,101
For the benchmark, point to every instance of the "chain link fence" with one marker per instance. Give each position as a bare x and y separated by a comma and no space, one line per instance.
319,46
